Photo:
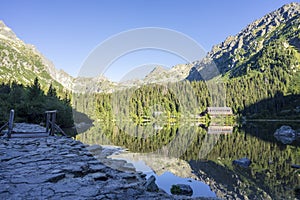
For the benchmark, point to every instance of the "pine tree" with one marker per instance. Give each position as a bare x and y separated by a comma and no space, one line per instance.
35,90
51,91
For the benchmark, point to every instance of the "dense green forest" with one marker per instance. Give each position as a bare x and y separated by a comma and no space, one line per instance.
271,86
153,102
31,102
266,86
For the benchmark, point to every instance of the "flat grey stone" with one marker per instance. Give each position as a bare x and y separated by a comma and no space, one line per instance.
56,171
100,176
96,168
70,155
73,169
94,148
65,187
55,177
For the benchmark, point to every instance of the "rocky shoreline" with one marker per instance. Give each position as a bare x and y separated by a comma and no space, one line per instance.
63,168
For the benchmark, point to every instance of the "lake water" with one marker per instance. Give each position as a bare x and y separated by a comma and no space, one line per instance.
202,156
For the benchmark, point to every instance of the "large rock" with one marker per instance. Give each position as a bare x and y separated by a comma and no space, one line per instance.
151,185
243,162
182,189
285,134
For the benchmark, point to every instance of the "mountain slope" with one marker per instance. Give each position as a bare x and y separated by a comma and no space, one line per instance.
238,53
22,62
164,75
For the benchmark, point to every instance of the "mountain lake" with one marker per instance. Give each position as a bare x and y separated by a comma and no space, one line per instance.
202,157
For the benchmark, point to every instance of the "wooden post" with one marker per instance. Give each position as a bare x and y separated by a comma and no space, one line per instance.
53,123
47,121
50,123
10,122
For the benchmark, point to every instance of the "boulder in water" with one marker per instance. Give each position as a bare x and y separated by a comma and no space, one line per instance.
285,134
182,189
151,185
286,131
243,162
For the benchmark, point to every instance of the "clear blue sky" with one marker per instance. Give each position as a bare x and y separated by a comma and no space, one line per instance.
65,31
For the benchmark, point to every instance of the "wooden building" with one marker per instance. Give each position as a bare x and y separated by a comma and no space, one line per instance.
219,110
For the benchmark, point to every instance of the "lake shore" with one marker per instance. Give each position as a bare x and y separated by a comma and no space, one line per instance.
63,168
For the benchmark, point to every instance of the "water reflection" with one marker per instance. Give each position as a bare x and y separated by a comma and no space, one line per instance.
167,171
209,154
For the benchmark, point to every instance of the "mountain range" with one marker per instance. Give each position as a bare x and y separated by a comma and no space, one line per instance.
234,57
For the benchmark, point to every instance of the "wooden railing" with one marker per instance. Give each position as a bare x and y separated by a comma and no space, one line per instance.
10,123
51,126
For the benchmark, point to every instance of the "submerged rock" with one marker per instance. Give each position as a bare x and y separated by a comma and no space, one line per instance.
295,166
285,134
285,131
182,189
243,162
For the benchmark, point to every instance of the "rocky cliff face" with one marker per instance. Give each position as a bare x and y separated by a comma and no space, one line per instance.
164,75
236,49
7,33
22,62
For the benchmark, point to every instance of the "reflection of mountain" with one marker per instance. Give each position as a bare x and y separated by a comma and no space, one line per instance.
225,182
160,163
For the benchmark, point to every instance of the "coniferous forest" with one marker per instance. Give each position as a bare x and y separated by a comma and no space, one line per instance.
31,102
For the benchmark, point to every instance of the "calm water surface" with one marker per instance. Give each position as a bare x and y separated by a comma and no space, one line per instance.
202,156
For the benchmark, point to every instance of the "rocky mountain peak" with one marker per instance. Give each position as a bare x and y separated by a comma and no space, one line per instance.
248,41
157,70
6,32
258,28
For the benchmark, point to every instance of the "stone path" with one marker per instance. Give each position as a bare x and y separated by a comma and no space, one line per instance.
25,127
25,130
61,168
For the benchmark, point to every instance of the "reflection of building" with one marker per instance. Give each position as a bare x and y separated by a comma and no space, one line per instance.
219,129
157,113
219,111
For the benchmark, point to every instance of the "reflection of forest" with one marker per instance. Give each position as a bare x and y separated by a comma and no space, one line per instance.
270,169
169,139
213,154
